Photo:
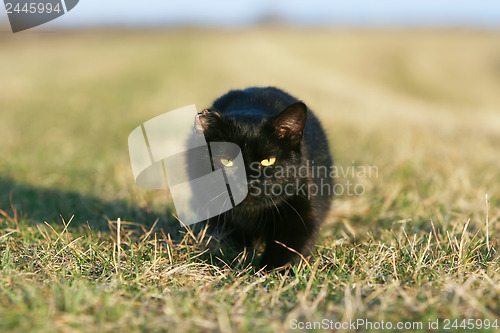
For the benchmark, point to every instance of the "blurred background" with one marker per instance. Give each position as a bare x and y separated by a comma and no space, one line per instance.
411,87
245,13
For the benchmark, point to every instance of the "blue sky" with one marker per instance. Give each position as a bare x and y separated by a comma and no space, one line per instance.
228,13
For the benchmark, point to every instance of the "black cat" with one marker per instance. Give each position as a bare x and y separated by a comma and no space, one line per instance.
286,157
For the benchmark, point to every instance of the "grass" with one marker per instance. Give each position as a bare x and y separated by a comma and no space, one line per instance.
420,106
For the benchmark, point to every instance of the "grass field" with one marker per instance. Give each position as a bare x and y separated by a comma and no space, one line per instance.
419,245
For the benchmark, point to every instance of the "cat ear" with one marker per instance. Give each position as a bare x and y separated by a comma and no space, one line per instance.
202,119
291,121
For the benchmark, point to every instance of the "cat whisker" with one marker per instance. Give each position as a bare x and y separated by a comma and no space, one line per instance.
213,199
279,215
207,204
301,219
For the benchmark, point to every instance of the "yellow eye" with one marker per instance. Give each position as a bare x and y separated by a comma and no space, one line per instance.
226,162
268,161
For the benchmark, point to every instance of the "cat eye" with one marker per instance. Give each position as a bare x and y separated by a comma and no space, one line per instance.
226,162
268,161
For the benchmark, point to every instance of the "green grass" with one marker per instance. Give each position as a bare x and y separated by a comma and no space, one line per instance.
420,106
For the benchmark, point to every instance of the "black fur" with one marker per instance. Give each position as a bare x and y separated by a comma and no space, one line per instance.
267,122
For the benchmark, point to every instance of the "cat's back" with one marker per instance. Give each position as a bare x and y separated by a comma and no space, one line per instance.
253,103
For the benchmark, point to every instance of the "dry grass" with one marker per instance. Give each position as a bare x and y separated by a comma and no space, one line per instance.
420,106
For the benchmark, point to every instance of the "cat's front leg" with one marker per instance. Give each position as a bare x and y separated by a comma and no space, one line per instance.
286,241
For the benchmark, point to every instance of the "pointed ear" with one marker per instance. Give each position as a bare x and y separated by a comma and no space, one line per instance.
291,121
202,120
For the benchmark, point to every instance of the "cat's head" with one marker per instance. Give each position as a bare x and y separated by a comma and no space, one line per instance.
271,150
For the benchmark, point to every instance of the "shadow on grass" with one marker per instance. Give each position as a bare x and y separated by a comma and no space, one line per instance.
37,205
